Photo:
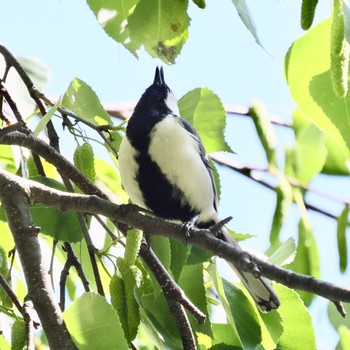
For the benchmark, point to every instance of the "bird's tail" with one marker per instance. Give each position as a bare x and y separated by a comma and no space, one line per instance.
259,288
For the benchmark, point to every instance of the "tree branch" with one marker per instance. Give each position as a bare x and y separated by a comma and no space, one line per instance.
16,203
130,215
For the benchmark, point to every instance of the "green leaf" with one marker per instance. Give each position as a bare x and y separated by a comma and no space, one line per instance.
223,334
298,331
81,250
4,344
342,224
198,256
192,283
161,248
239,236
344,342
284,254
46,118
203,109
179,255
308,8
246,18
53,222
7,160
307,69
158,315
310,153
246,321
336,163
307,260
38,72
200,3
340,51
113,17
243,315
94,324
265,132
161,26
219,288
83,101
109,177
284,198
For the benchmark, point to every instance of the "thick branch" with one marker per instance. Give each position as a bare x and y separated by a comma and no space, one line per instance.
130,215
15,201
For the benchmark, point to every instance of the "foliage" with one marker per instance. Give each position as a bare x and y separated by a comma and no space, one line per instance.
136,313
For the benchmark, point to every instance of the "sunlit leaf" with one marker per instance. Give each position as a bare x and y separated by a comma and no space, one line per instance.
192,283
157,313
203,109
246,321
342,225
62,226
38,72
307,69
94,324
284,199
113,17
336,163
246,18
7,159
344,342
161,26
264,130
82,100
46,118
310,153
307,260
298,330
284,254
223,334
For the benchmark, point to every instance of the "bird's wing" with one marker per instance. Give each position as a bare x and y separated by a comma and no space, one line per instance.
190,129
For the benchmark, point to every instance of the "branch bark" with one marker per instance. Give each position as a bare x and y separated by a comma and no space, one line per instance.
16,203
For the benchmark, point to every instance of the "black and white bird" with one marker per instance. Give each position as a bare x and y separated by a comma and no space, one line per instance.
164,168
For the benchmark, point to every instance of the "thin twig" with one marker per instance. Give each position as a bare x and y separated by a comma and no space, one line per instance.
91,250
249,172
77,265
170,289
13,297
11,102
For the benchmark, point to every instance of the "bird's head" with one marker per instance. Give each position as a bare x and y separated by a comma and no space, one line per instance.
159,96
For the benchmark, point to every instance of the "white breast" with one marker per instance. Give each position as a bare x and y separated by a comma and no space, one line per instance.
177,154
128,170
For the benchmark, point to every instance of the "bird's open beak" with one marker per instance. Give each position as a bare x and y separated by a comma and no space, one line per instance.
159,77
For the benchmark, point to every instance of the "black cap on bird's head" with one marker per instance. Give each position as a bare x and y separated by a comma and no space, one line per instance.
159,82
158,97
159,77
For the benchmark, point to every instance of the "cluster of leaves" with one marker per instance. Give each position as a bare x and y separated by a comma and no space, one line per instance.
138,312
161,26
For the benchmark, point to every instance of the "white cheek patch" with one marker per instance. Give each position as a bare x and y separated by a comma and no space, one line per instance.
128,169
171,103
177,154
